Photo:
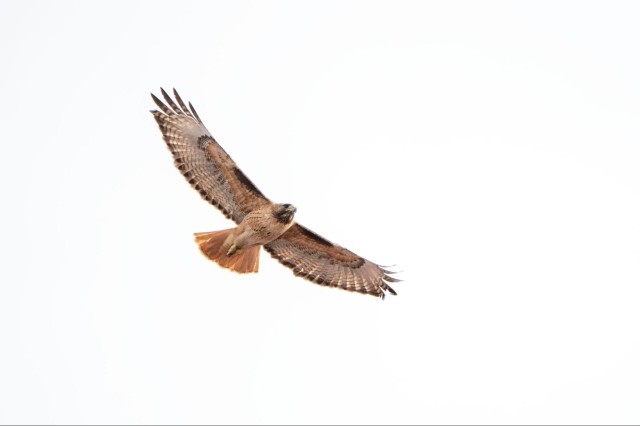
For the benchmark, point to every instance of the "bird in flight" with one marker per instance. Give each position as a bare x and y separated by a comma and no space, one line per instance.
260,222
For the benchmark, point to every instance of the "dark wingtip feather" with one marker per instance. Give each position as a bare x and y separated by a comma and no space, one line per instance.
183,107
170,101
391,279
385,287
160,104
195,114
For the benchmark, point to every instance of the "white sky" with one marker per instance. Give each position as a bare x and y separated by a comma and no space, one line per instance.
490,150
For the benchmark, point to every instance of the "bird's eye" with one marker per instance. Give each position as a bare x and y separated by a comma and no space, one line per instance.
286,206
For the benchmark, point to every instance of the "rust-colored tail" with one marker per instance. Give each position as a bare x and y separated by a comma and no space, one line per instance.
212,245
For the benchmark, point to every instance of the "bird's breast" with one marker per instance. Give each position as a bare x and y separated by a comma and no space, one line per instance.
261,229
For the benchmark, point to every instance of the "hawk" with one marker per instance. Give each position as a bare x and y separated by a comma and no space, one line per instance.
260,222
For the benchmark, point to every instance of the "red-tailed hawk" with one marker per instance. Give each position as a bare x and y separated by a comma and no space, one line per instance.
210,170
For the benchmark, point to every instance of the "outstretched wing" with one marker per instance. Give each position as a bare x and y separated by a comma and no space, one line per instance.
203,162
322,262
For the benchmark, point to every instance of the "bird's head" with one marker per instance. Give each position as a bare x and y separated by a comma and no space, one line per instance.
284,212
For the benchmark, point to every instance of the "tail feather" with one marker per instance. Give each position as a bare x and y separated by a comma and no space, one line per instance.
214,245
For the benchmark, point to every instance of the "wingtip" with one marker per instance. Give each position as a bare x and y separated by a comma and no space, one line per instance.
160,104
195,114
391,279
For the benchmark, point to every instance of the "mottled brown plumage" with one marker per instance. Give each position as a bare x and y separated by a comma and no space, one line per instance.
212,172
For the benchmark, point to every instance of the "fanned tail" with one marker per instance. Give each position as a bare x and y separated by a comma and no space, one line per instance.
214,245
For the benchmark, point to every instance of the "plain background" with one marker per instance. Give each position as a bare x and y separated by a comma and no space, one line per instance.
490,150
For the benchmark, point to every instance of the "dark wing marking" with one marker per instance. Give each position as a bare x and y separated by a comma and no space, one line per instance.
203,162
247,183
320,261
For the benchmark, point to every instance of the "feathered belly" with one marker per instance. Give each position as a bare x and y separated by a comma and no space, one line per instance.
260,230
